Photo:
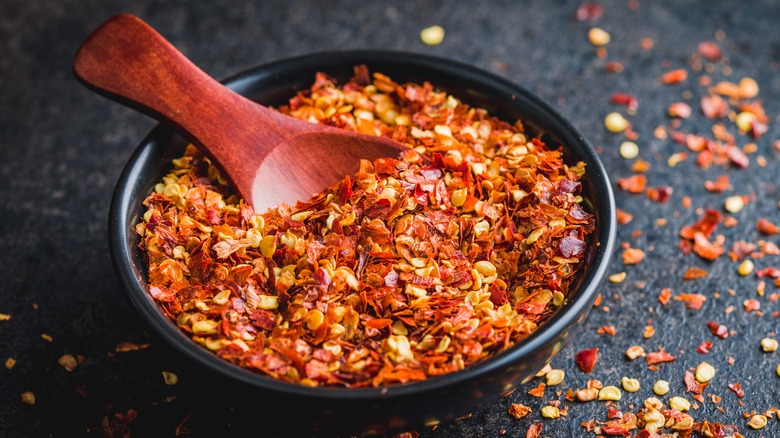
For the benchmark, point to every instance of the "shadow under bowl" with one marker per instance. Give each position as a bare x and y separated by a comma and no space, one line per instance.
392,409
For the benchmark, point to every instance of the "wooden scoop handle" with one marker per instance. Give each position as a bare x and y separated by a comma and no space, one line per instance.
128,61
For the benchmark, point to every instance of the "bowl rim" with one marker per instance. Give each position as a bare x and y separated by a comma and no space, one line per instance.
578,304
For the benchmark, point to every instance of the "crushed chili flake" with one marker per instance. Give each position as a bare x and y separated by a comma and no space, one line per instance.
400,272
633,184
624,217
607,329
629,100
691,301
588,11
694,274
737,388
721,184
632,256
534,430
586,359
766,227
664,295
718,330
656,357
538,391
519,410
704,347
674,76
659,194
710,50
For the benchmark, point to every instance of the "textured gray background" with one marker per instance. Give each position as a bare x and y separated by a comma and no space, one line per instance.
62,149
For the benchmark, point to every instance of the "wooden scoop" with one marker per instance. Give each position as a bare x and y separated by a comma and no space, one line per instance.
269,157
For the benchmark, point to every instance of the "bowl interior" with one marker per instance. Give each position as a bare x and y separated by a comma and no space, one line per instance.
273,84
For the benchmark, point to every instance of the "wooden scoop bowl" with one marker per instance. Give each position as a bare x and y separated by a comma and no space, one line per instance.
269,157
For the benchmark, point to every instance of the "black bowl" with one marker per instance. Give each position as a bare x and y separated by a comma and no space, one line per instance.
370,410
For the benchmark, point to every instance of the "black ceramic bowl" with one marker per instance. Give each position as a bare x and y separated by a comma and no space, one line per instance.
372,410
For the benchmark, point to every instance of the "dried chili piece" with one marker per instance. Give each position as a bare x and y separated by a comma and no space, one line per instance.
353,286
586,359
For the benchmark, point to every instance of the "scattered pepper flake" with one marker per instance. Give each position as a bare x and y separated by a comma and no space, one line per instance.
691,301
624,217
664,295
586,359
694,274
588,11
721,184
633,184
751,305
633,256
615,123
659,356
10,362
704,347
4,317
28,398
768,345
68,362
679,109
519,410
718,330
124,347
766,227
674,76
598,36
538,391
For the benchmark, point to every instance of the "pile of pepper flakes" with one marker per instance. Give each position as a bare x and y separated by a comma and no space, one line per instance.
409,269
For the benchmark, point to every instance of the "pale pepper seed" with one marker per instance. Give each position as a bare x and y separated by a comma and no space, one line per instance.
611,393
598,37
757,421
629,150
432,35
704,372
746,267
554,377
629,384
615,123
550,412
769,345
661,387
679,403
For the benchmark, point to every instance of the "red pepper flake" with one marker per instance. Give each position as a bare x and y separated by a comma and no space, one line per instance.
624,217
614,67
694,274
626,99
692,385
766,227
706,249
704,347
738,157
768,272
709,50
660,194
633,184
705,225
632,256
656,357
607,329
518,410
737,388
588,11
664,296
674,76
534,430
720,184
691,301
718,330
538,391
586,359
679,109
751,305
183,428
714,107
124,347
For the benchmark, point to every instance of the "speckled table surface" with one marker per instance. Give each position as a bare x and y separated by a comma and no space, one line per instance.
62,149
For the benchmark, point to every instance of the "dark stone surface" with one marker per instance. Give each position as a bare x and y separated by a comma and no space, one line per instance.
62,148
